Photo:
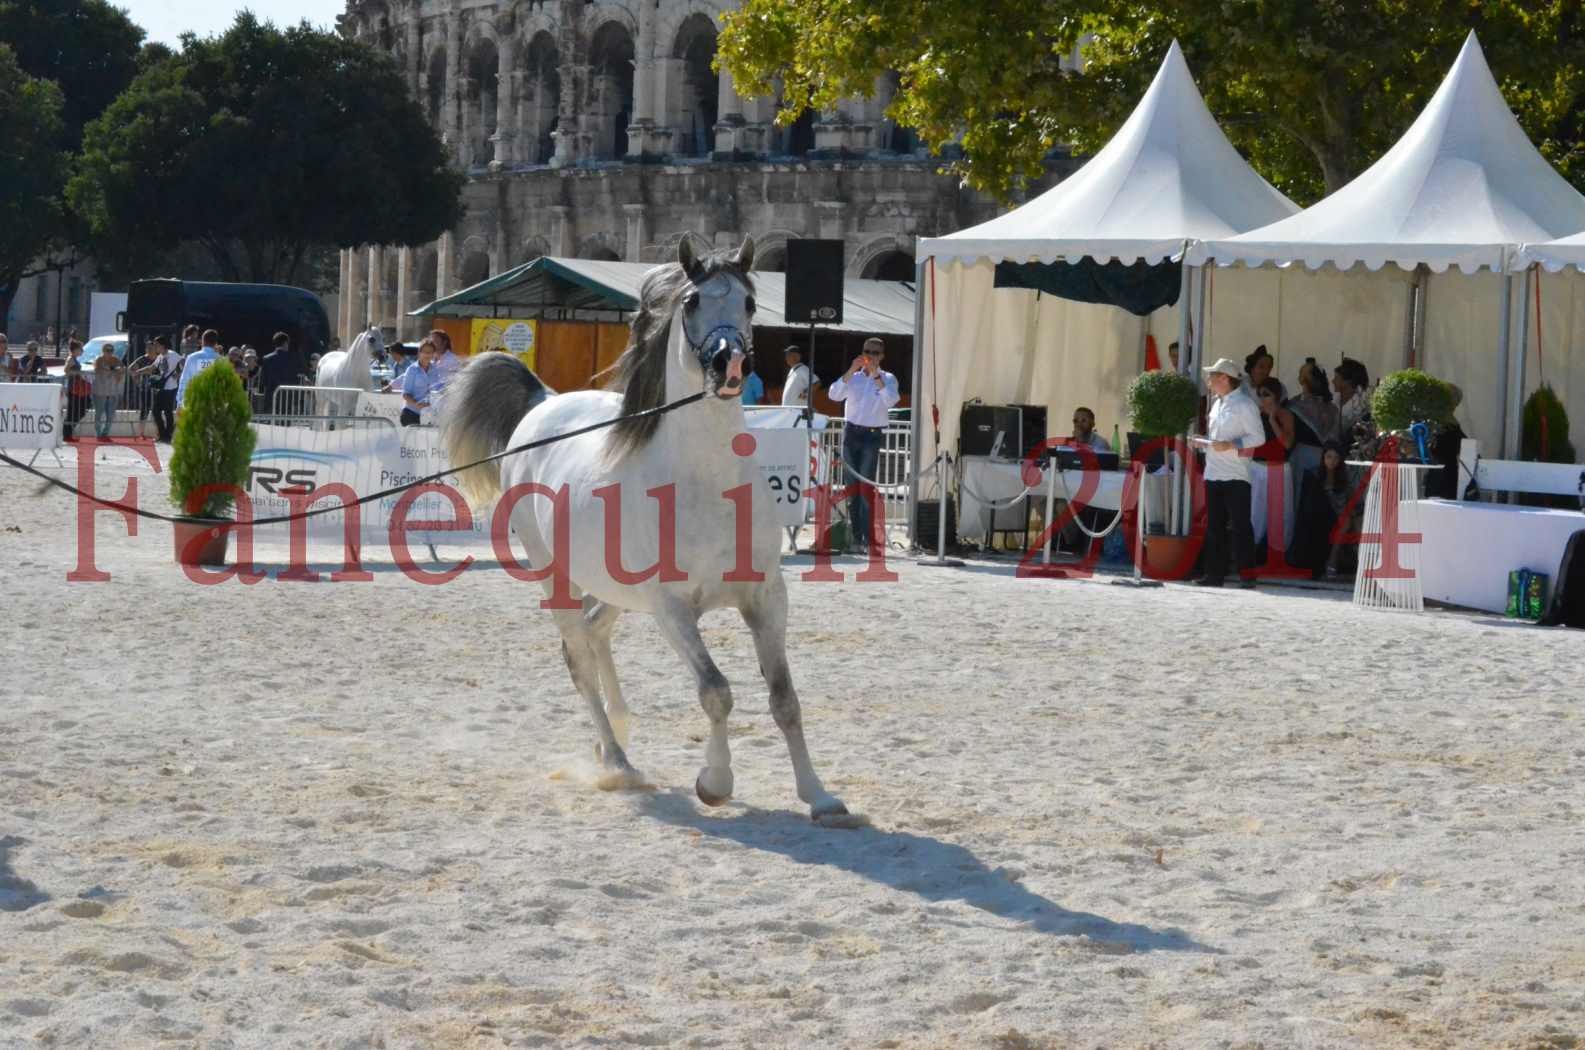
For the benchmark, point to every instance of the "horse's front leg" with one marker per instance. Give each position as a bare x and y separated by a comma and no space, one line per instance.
602,621
766,617
681,628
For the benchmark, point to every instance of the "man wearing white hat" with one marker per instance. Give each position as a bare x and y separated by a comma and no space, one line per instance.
1232,429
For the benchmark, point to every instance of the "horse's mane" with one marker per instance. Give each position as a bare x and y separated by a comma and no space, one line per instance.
641,370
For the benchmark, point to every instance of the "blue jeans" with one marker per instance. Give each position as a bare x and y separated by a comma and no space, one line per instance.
861,453
104,415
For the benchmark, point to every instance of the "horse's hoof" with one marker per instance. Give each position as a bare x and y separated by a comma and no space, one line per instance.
713,786
826,807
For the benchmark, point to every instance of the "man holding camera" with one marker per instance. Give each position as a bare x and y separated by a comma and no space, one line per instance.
867,393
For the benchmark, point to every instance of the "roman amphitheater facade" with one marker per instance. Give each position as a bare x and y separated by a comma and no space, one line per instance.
597,129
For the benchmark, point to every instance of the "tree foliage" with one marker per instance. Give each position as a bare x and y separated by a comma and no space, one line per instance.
1162,403
31,174
262,145
1310,90
82,52
89,48
213,444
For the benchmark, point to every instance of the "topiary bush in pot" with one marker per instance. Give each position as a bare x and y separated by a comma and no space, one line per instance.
1545,429
1162,404
1411,396
211,450
1403,399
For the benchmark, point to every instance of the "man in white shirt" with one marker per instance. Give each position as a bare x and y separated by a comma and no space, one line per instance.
795,390
867,393
1232,430
196,362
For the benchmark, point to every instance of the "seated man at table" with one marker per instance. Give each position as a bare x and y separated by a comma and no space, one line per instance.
1084,431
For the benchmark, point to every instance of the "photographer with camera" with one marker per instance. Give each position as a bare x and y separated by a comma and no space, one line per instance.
867,393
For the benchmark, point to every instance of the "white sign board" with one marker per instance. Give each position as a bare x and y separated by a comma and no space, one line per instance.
783,458
102,310
30,415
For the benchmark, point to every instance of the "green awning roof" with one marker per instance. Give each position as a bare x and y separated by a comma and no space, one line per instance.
550,283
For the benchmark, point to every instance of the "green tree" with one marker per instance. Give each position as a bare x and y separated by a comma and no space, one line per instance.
31,175
89,48
86,51
264,145
1310,90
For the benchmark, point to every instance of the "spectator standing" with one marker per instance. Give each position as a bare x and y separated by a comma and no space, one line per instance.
1257,366
795,389
446,361
416,384
1233,427
279,368
1315,417
108,380
146,382
867,393
1352,383
167,373
195,362
753,386
78,389
1270,463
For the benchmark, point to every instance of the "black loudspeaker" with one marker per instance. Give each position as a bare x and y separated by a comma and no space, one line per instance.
814,282
991,430
927,517
1034,426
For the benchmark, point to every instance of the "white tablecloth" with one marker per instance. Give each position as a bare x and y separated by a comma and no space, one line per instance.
1468,548
999,480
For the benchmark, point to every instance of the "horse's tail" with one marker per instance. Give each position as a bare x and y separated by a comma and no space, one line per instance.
481,405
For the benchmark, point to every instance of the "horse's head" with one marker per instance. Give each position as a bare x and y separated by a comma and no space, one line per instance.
716,310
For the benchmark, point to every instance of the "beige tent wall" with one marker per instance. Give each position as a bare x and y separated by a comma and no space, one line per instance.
1297,313
1012,346
1559,354
1015,346
1463,345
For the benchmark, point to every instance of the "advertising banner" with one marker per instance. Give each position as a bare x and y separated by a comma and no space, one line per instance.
371,456
519,337
30,415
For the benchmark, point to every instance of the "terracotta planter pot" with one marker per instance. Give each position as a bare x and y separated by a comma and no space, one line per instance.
1168,557
200,541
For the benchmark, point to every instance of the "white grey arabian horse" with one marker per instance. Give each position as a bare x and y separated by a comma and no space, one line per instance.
347,368
690,336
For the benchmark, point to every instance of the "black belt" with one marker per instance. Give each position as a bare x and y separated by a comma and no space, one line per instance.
860,426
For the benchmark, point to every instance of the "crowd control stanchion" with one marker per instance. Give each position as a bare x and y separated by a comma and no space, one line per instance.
1141,522
940,561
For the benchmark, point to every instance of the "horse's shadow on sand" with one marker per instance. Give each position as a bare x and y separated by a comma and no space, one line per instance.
928,868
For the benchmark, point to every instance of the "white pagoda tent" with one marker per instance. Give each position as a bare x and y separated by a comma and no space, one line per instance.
1169,176
1462,190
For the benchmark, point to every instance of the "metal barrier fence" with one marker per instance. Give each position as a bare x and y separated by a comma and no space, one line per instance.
323,401
893,468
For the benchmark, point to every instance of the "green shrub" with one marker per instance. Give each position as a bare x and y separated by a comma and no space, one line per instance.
1545,404
1162,403
213,443
1411,396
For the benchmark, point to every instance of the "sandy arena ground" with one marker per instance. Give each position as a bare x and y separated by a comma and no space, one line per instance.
323,815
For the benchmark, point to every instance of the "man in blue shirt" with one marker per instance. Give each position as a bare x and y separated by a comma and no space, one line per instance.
416,384
753,385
